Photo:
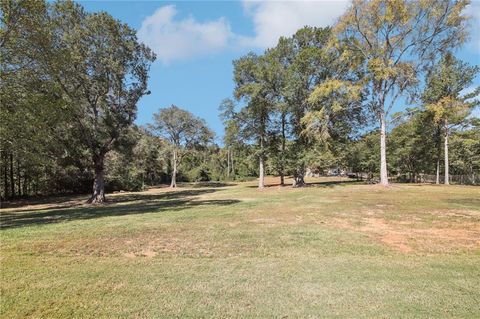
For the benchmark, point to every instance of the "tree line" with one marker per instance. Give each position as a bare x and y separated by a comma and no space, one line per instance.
308,101
322,98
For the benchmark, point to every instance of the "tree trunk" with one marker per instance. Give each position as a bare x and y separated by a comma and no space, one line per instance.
439,151
228,161
383,151
173,184
282,163
299,178
12,181
261,177
5,175
19,179
232,165
261,169
98,195
25,184
447,175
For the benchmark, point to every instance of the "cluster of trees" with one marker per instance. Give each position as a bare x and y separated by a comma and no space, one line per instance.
70,84
71,80
308,101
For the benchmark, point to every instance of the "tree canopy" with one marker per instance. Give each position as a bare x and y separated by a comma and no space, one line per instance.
318,100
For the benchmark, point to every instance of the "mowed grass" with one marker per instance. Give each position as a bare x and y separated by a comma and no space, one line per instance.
337,248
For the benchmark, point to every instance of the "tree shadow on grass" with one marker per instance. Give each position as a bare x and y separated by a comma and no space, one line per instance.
336,183
177,193
120,205
207,184
63,201
67,200
316,184
42,200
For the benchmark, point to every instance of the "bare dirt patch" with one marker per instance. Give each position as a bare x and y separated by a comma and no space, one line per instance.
416,236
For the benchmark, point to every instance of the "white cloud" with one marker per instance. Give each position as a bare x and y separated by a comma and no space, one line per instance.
175,39
172,38
273,19
473,11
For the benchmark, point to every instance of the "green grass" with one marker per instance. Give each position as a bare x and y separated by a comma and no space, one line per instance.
334,249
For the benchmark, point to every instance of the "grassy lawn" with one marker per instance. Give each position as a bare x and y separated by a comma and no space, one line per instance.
334,249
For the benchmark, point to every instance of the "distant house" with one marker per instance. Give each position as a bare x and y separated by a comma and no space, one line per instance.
333,171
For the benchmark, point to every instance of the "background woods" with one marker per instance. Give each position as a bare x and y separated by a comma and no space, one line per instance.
319,101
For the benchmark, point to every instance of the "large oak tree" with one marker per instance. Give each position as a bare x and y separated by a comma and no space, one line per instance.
102,72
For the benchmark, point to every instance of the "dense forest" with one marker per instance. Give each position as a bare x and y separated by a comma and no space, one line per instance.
380,95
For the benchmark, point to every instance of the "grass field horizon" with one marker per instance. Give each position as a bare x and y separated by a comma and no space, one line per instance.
337,248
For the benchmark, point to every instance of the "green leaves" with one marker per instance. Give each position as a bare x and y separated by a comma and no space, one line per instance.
75,77
181,128
442,95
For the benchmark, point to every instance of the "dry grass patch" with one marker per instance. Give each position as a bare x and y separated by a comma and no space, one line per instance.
416,236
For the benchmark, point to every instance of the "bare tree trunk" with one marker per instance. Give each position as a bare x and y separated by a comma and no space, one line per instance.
5,175
98,195
261,169
261,174
383,151
173,184
282,164
19,179
25,184
232,165
447,175
228,161
437,179
12,181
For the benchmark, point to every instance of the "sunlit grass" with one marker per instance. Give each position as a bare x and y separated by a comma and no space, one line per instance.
336,249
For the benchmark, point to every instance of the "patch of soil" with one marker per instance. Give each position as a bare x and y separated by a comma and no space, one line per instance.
418,237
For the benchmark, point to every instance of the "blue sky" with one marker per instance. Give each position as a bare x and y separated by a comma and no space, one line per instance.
196,41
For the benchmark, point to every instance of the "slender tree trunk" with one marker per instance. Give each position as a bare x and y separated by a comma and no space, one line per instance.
447,175
5,175
261,173
228,161
383,151
437,178
282,163
173,184
12,181
98,195
232,165
262,131
25,184
19,179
